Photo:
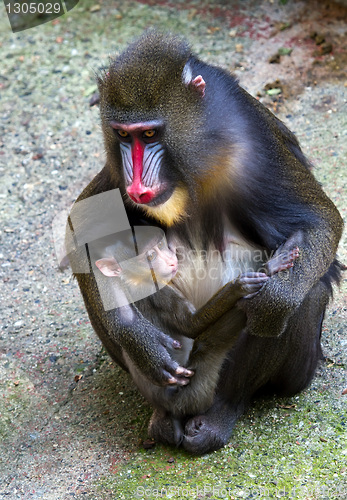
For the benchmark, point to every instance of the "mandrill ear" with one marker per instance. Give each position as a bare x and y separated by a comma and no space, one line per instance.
197,83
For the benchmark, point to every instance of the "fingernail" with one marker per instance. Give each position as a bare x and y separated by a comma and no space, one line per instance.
179,370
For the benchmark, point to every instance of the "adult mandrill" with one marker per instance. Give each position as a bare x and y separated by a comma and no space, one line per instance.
194,153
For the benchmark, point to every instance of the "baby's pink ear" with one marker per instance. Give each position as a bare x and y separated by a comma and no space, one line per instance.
108,266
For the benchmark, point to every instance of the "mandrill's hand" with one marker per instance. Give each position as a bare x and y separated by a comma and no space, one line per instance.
150,353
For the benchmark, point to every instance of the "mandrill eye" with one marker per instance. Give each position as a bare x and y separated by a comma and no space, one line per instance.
123,134
149,134
151,255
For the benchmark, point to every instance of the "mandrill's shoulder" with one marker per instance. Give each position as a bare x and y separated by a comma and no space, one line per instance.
101,183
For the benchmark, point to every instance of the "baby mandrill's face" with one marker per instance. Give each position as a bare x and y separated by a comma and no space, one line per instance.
163,260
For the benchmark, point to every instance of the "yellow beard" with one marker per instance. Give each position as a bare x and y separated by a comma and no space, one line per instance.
173,210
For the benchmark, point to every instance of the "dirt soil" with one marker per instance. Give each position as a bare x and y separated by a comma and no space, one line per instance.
72,425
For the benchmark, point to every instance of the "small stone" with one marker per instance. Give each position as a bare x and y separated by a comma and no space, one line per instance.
148,444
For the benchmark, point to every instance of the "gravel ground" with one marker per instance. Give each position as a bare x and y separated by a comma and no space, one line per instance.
71,422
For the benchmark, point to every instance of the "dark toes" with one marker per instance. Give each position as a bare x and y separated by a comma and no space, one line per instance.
201,437
165,429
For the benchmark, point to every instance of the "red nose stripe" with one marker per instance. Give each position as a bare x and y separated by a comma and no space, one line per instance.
137,151
137,191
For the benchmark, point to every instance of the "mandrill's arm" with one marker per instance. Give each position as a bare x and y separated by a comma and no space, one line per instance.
124,328
269,311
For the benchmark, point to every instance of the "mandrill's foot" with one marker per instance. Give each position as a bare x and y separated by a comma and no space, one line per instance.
201,434
201,437
164,428
211,431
